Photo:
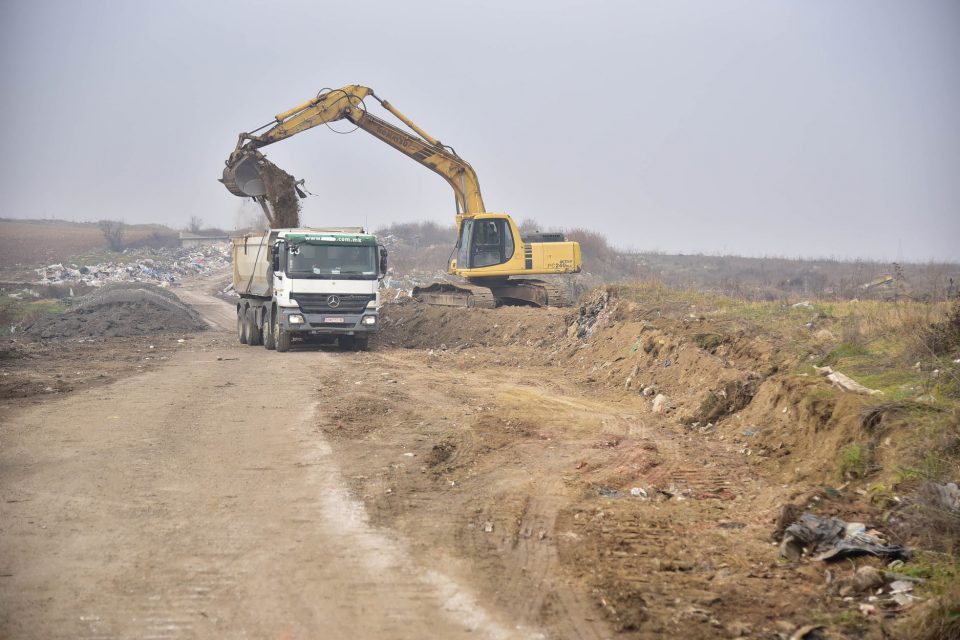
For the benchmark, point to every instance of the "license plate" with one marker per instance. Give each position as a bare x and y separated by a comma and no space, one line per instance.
333,320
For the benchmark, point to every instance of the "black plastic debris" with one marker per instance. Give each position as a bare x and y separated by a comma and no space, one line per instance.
830,539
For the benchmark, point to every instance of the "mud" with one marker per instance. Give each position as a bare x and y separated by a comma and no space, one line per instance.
120,310
283,209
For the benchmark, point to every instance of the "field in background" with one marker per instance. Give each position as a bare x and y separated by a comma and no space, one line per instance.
31,243
419,252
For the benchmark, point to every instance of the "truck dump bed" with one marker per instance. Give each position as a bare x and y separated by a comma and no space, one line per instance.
252,264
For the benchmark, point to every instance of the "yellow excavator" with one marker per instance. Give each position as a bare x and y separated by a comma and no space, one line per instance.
490,252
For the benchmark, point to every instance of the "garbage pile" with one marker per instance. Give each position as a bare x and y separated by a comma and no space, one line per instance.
163,265
119,310
831,539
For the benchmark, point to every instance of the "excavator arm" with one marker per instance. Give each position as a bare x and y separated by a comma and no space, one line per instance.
242,178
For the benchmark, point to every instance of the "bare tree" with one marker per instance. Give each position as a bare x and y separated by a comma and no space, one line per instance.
113,231
195,224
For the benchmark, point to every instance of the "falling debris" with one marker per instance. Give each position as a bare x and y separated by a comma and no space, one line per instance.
283,210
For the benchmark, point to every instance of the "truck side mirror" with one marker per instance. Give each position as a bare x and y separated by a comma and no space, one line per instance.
383,259
276,261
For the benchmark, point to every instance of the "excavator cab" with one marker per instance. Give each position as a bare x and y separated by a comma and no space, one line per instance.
485,242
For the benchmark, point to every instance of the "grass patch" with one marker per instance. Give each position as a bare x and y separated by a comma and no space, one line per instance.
854,461
15,314
844,351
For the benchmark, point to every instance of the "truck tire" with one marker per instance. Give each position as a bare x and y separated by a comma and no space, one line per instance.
281,338
241,325
269,338
361,344
253,332
345,342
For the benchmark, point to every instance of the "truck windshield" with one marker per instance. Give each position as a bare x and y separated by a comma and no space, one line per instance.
332,261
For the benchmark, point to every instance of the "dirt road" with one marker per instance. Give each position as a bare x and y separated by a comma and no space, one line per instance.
504,473
199,500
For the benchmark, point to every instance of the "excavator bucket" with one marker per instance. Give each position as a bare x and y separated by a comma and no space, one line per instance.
242,178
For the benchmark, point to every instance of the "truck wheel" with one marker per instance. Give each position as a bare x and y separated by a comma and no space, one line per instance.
269,338
241,325
253,333
345,342
281,337
361,344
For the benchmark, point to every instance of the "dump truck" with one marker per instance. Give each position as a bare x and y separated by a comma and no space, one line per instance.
319,285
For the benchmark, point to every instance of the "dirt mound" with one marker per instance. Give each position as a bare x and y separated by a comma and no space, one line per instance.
415,325
121,310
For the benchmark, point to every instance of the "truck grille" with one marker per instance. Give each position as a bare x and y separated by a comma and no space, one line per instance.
320,302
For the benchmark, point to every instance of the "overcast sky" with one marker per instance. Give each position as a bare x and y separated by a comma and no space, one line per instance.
808,128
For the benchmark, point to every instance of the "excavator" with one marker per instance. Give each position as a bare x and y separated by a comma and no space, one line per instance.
490,252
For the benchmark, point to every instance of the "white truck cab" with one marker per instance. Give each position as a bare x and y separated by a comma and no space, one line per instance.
321,284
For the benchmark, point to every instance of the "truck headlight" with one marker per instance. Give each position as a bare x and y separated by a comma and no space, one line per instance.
295,318
372,304
369,320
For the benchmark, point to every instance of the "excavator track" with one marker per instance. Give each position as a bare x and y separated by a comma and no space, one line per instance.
531,292
534,292
449,294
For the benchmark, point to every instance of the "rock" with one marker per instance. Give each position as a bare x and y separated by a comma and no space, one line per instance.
738,629
949,495
661,403
866,579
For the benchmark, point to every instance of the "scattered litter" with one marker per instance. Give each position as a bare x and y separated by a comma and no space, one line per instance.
845,382
488,527
830,539
159,266
806,304
901,586
638,492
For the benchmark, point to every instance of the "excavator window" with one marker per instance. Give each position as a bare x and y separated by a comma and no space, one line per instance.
485,243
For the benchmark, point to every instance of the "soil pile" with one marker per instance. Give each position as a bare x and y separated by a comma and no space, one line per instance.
284,205
120,310
415,325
